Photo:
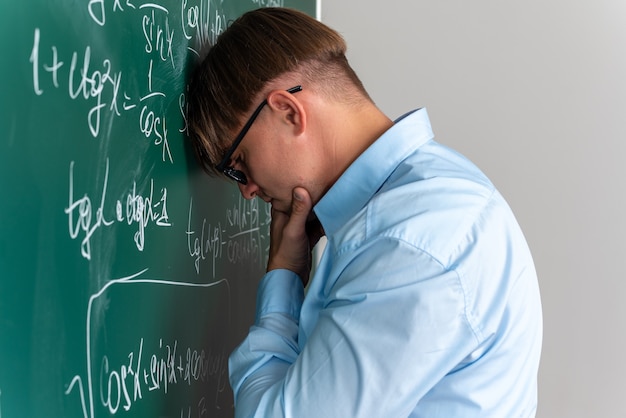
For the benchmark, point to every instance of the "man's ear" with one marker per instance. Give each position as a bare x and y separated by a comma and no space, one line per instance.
290,110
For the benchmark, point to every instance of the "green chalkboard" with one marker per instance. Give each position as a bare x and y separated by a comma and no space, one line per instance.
127,275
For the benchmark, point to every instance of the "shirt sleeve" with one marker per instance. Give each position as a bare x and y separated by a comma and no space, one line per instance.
271,345
392,325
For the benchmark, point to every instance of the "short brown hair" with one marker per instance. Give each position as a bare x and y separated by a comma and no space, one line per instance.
255,49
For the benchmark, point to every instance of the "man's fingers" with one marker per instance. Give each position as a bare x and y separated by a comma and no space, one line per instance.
289,247
300,209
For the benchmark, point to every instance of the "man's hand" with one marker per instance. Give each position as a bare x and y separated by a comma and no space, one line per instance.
293,236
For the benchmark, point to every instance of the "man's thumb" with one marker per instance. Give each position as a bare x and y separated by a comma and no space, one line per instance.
301,203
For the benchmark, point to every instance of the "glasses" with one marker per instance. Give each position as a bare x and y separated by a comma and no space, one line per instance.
229,171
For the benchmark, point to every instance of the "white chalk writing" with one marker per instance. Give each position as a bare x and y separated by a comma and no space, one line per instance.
140,210
240,237
269,3
82,81
125,384
103,86
210,240
147,369
202,23
244,242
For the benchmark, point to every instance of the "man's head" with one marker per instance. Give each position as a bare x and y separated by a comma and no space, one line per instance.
269,58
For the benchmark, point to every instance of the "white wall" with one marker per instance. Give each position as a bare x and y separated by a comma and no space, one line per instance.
534,92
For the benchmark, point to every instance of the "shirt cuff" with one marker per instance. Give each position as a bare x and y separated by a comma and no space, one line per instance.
280,291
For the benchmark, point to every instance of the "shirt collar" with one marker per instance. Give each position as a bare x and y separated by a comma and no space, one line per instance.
358,184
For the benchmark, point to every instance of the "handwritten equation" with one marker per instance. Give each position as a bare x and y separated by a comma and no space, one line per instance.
102,84
126,384
135,209
99,85
242,236
153,366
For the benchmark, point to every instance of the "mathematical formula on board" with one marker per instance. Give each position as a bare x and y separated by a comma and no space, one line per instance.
136,206
148,367
102,84
236,237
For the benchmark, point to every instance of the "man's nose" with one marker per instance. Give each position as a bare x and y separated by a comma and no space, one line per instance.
248,191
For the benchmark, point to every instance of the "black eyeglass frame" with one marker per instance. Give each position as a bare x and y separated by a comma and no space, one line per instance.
231,172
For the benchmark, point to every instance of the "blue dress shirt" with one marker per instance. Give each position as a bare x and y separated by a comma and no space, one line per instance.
425,302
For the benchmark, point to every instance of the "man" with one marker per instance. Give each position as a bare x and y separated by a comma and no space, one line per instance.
425,302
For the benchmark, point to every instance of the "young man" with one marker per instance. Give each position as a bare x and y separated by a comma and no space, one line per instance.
425,302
